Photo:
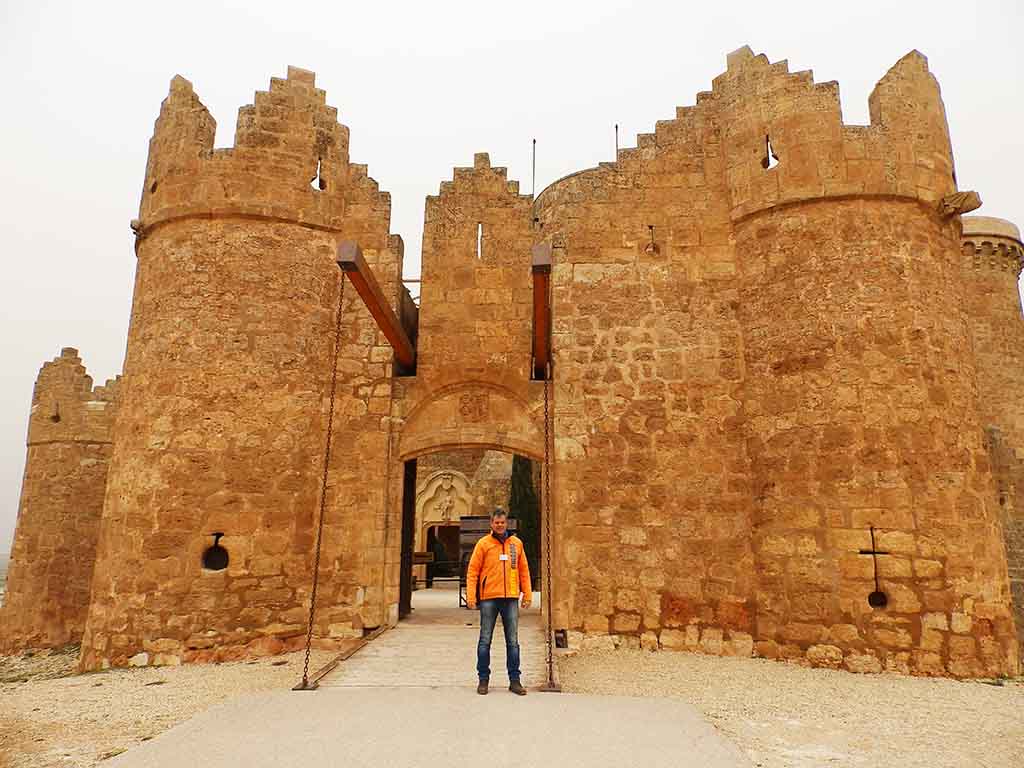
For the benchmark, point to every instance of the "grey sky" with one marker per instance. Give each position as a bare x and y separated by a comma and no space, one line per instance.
422,87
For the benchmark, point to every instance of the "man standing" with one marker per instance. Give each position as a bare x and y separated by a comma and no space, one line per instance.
496,575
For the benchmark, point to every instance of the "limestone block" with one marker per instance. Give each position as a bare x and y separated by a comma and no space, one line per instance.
673,639
960,623
711,641
864,663
739,644
934,621
825,656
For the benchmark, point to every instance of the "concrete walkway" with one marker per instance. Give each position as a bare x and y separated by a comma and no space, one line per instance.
436,646
408,699
445,727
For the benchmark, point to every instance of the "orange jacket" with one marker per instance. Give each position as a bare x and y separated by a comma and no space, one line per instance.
498,577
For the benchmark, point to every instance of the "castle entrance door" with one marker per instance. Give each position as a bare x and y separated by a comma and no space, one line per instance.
435,641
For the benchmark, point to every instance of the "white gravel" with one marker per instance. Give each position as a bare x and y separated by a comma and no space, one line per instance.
786,716
79,720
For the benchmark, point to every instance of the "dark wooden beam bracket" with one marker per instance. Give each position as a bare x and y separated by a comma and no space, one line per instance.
541,269
350,259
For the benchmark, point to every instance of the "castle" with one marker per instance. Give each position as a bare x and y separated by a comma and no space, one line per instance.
781,359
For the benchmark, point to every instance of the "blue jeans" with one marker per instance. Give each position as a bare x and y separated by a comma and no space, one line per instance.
508,607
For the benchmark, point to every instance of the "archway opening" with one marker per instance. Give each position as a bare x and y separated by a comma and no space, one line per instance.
448,497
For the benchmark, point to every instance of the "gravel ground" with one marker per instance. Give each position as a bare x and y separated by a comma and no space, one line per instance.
57,719
781,715
785,716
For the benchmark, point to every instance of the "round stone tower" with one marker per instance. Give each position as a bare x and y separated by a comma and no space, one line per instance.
69,447
861,391
802,400
992,260
209,522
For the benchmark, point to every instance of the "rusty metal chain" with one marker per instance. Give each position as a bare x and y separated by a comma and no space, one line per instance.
304,685
547,524
548,506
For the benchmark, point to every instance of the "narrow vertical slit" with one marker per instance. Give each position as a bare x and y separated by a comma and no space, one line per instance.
770,159
318,181
479,239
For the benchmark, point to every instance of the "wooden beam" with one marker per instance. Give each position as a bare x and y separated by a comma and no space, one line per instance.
350,259
541,268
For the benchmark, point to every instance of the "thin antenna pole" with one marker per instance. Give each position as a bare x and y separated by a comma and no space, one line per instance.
616,141
533,189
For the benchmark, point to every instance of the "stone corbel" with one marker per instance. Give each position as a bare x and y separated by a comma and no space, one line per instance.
959,203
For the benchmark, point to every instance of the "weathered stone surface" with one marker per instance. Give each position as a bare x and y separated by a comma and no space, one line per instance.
754,365
54,549
993,257
825,656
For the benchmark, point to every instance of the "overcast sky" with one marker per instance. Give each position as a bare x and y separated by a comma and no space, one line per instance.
422,86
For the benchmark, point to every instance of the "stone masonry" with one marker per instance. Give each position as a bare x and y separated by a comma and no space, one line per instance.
69,446
992,261
773,332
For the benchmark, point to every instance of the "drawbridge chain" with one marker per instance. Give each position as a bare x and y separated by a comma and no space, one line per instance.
550,685
305,685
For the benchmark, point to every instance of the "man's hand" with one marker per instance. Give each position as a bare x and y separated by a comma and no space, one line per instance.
471,604
526,601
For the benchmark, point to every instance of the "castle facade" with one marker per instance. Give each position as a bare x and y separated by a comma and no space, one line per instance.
788,375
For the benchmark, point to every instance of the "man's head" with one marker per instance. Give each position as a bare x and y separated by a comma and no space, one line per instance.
499,520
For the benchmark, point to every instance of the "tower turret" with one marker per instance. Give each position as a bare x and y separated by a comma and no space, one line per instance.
207,540
992,260
69,447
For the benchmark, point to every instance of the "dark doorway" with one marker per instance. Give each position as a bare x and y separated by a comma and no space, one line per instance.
443,543
443,518
408,533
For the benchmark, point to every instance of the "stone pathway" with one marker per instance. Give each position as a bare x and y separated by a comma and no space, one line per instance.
436,646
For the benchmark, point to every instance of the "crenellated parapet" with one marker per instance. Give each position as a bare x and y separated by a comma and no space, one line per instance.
777,137
290,161
54,550
67,407
904,152
993,244
459,204
476,278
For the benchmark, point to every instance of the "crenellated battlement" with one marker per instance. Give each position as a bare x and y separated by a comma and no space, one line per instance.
775,137
67,407
482,177
290,160
993,244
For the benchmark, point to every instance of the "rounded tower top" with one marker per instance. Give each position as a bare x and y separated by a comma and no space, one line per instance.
991,226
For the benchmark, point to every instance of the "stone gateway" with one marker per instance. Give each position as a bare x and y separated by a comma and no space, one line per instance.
777,342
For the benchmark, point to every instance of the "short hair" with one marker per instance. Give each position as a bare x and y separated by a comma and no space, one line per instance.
498,512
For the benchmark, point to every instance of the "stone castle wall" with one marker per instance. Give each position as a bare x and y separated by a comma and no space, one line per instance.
765,345
756,364
69,446
992,260
227,385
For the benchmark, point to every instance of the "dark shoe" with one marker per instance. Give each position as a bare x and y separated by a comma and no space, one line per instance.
481,688
517,688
